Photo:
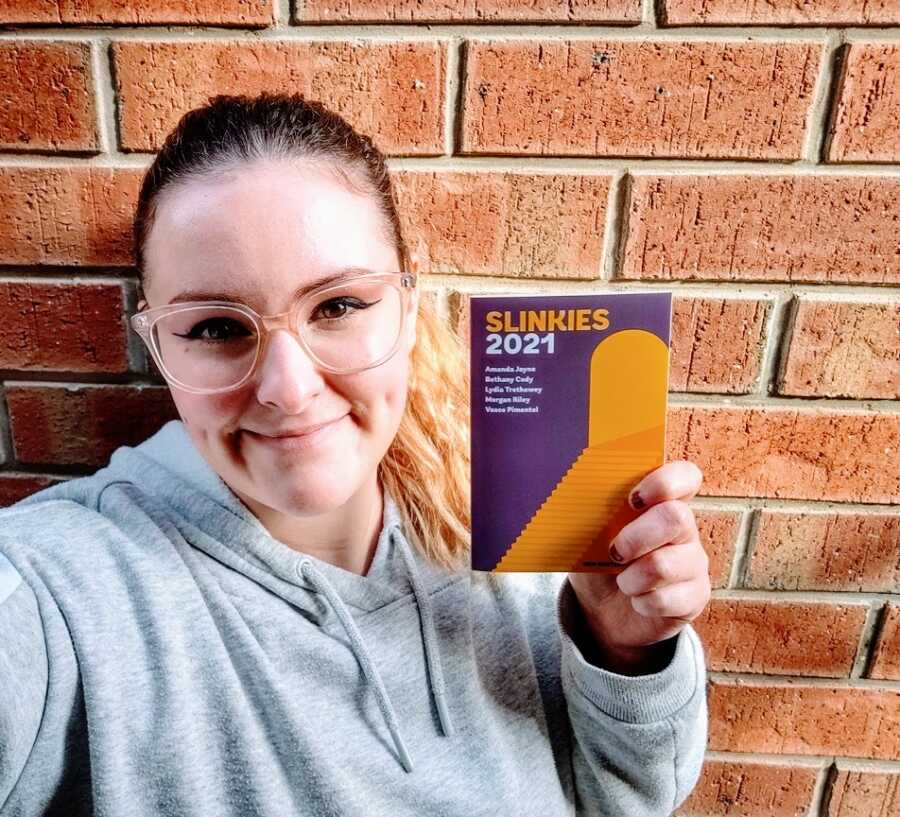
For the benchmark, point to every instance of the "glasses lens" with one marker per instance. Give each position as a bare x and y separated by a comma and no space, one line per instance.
207,347
354,325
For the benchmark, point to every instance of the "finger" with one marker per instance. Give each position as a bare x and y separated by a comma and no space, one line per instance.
679,479
668,564
669,522
683,601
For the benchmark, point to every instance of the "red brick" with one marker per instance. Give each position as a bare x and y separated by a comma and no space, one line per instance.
638,98
849,552
77,327
247,13
751,789
777,12
83,425
718,535
789,453
390,91
47,101
837,229
861,792
67,215
14,487
505,224
781,637
865,123
886,654
717,344
804,719
843,349
400,11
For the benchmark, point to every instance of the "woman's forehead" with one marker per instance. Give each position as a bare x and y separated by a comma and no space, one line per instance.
270,224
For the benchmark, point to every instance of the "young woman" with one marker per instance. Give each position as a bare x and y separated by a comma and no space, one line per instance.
266,607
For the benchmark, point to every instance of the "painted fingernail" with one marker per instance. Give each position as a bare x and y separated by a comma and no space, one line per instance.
614,554
635,500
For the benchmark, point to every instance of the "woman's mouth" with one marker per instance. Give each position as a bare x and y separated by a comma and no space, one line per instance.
299,442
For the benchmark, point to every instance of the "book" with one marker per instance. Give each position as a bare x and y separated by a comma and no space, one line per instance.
568,413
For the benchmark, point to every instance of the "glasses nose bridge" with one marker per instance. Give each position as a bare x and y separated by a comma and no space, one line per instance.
281,320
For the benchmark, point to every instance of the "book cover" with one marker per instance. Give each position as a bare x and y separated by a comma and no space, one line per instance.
568,413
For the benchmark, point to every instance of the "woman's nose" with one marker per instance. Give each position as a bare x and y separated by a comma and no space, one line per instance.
286,378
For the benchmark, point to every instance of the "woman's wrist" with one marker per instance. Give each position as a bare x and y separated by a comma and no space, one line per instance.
621,660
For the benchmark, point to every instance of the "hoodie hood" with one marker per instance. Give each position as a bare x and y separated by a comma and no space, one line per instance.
168,467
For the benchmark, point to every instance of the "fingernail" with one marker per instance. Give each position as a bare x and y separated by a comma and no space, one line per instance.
614,554
635,500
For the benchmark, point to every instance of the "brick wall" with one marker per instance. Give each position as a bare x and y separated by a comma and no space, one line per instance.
743,154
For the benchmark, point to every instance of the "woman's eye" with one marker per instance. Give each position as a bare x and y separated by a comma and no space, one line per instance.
338,308
217,330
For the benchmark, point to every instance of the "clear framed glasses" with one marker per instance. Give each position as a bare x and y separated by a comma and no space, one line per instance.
208,347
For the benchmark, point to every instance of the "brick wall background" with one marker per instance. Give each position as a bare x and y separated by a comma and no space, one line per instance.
743,154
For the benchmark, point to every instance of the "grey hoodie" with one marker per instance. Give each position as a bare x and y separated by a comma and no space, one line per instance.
162,654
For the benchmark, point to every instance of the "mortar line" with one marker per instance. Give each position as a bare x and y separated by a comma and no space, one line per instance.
779,335
615,226
475,284
792,506
6,447
391,30
102,86
872,636
454,82
765,680
790,759
822,790
833,597
817,117
283,13
537,165
744,542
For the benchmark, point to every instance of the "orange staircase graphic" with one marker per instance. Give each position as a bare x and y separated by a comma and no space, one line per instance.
573,527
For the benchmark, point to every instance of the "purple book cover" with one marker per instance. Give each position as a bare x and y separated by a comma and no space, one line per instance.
568,409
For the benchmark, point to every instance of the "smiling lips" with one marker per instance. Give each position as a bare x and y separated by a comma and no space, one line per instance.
304,438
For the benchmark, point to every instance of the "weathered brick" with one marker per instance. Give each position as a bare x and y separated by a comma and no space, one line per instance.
789,453
75,327
245,13
718,535
14,487
67,215
838,229
717,344
505,224
865,123
400,11
860,792
779,12
850,552
47,102
638,98
886,653
804,719
391,91
781,637
751,789
83,425
843,349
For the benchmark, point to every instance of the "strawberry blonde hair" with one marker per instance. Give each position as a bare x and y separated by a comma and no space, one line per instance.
426,468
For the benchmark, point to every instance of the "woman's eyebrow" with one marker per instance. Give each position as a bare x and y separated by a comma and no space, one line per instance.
204,295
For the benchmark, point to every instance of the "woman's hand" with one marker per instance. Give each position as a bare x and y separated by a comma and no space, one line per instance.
666,584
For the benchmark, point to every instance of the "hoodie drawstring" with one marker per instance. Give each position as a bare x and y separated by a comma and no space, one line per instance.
432,655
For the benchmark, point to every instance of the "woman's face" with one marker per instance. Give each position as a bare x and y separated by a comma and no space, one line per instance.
258,234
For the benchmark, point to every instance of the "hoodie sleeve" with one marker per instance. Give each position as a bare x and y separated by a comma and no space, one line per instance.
638,741
23,674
